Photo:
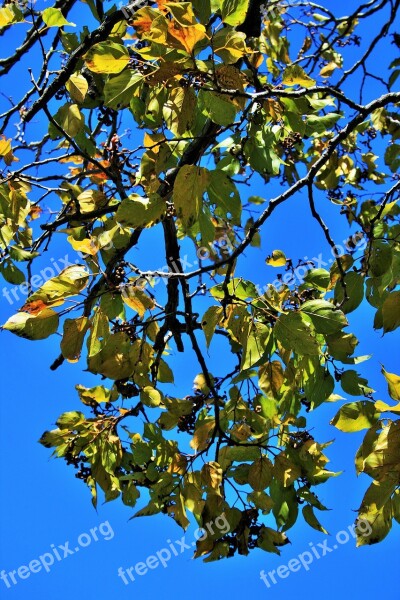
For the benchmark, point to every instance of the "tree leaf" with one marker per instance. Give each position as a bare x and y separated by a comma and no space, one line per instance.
393,384
391,312
260,474
53,17
376,512
136,211
356,416
276,259
73,336
210,321
234,12
295,75
311,519
107,58
295,332
355,385
189,187
355,292
324,316
37,327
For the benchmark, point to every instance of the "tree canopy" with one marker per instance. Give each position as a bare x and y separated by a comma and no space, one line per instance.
146,126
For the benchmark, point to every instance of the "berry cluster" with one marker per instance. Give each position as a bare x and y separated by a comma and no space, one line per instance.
70,459
127,389
371,133
291,140
187,422
301,437
84,472
128,328
335,194
136,64
247,522
119,274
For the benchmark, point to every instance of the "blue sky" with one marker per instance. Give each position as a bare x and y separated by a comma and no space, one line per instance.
43,506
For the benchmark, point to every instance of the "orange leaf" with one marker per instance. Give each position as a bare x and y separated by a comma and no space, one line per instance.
187,36
35,307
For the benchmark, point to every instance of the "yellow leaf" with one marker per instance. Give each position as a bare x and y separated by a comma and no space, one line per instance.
295,75
88,246
6,16
393,384
202,435
107,58
77,87
328,69
137,299
6,151
277,259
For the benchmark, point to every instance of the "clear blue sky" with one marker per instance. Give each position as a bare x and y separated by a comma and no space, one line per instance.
42,504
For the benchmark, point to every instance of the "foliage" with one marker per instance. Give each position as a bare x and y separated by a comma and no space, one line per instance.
223,94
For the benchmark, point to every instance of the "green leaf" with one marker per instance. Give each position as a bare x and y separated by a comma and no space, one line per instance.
33,327
70,119
254,340
341,345
295,332
319,387
318,278
311,519
223,193
120,89
238,287
70,420
218,108
95,395
73,336
229,45
53,17
315,124
324,316
136,211
380,258
354,385
260,473
189,187
270,540
234,12
356,416
375,514
179,110
130,494
210,321
261,500
11,273
391,312
150,396
355,291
